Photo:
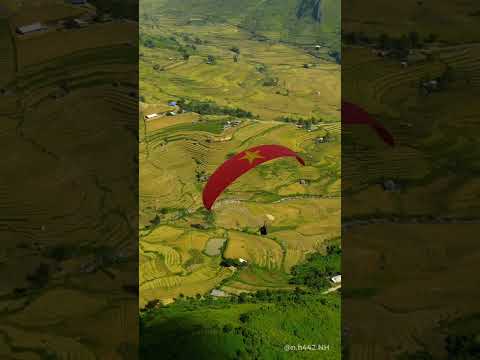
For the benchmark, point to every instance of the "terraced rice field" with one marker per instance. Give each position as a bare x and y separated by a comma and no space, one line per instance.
410,274
47,122
303,215
7,53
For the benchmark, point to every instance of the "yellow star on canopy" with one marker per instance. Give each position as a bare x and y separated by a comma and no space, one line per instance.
251,156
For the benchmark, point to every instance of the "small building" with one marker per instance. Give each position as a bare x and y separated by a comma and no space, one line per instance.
242,261
336,279
416,57
389,185
80,23
317,47
171,113
151,116
381,53
218,293
172,103
28,29
74,23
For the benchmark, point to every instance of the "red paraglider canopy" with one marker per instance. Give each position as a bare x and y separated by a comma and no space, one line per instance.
238,165
353,114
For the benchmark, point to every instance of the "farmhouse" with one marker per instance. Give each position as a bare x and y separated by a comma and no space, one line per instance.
196,20
336,279
28,29
74,23
430,85
218,293
390,185
151,116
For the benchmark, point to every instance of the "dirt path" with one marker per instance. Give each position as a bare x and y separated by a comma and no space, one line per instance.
332,289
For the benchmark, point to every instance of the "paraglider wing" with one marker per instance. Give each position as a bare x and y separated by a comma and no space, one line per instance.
238,165
353,114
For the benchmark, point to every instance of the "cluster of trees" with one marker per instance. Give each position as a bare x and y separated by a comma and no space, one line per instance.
187,51
270,81
211,108
336,55
40,276
306,123
126,9
171,42
152,42
458,347
200,175
396,45
440,82
296,296
211,60
318,268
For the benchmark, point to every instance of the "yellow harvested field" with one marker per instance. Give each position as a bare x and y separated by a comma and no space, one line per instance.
256,249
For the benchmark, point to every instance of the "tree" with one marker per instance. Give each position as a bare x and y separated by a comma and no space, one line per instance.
227,328
211,60
351,38
242,298
156,220
39,278
244,317
149,43
414,39
235,49
186,56
431,38
152,304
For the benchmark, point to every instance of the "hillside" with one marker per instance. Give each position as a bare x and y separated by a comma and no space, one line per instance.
297,21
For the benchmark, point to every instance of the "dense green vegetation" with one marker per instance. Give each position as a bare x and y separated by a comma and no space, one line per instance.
118,8
250,325
211,108
243,327
318,268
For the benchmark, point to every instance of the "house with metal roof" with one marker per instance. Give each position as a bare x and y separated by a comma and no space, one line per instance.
28,29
